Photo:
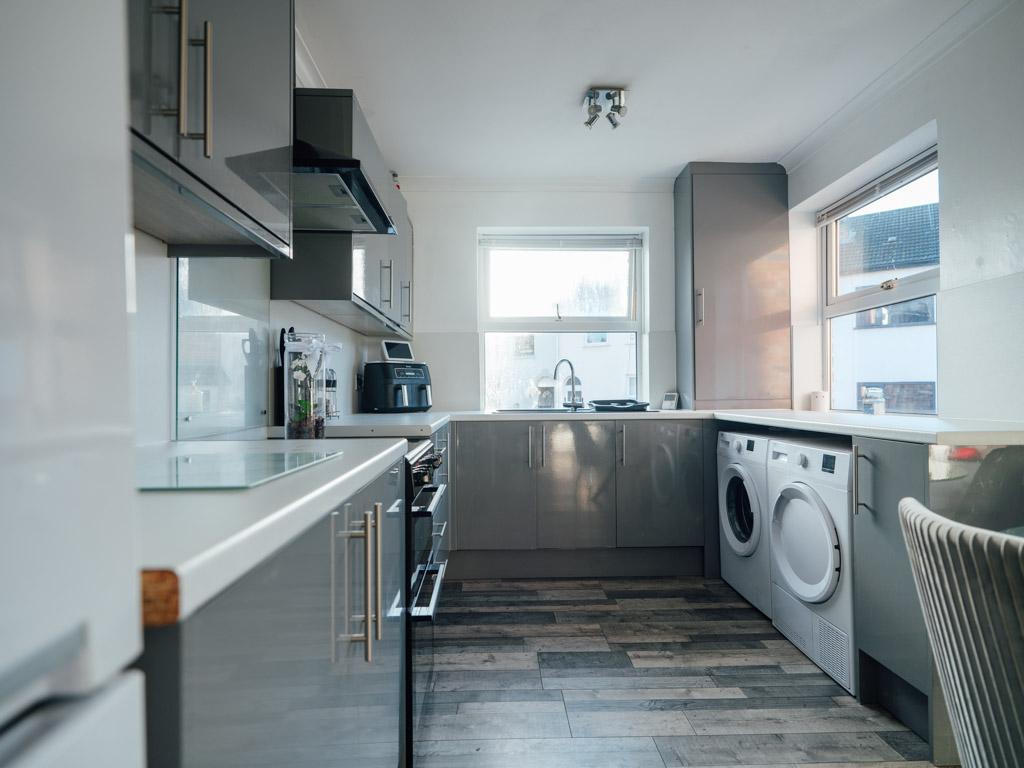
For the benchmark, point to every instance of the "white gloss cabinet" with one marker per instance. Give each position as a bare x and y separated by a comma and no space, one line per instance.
69,584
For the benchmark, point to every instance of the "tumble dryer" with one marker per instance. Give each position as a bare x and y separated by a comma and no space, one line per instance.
742,517
811,529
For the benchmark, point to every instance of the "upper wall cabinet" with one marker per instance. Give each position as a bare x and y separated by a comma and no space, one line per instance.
732,286
211,120
353,249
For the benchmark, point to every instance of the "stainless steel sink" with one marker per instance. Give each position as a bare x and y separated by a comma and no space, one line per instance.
545,410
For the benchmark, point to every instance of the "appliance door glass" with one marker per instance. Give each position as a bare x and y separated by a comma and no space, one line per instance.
805,546
739,510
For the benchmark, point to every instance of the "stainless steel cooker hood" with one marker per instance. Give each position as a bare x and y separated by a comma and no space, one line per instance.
337,170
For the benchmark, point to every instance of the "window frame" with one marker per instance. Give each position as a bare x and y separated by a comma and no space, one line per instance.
921,285
554,323
634,323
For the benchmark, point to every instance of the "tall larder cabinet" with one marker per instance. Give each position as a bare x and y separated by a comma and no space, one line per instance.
732,286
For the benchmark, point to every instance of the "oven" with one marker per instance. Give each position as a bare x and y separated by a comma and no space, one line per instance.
427,503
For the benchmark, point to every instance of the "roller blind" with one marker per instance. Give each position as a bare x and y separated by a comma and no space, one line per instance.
883,185
601,242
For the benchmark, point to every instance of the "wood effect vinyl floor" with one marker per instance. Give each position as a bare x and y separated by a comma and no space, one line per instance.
635,673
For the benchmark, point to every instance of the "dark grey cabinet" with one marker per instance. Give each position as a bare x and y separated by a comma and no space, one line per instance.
276,667
211,91
659,484
576,485
496,484
889,625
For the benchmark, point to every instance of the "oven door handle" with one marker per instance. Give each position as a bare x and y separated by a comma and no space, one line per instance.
430,610
432,507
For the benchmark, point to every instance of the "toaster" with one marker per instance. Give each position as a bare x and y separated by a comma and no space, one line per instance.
395,387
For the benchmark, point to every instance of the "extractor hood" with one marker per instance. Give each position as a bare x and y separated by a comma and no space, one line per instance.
336,166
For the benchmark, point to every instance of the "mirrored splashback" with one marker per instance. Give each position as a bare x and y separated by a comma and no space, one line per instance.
223,354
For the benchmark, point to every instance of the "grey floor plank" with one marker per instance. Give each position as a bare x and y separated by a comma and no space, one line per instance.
750,750
617,673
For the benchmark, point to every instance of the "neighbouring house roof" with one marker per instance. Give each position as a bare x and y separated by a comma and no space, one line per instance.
906,237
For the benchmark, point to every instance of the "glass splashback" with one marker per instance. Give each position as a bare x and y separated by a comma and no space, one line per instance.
223,354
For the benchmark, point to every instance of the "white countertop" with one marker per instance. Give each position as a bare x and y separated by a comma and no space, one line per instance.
210,538
912,429
528,415
407,425
909,428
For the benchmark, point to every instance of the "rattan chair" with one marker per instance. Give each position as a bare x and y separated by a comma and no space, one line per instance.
970,583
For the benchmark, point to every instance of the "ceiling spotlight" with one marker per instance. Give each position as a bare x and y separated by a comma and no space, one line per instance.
592,99
593,108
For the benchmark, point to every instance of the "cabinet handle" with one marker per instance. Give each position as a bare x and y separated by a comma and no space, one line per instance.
368,589
334,624
208,90
700,306
623,445
378,515
543,439
367,635
857,456
183,46
388,266
406,289
529,447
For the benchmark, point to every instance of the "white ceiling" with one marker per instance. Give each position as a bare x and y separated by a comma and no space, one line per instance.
489,89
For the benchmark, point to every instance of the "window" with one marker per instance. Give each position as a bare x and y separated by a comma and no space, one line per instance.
544,298
881,249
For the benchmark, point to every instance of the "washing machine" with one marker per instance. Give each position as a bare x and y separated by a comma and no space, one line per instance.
811,532
742,517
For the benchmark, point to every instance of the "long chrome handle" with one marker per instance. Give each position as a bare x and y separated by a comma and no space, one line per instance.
406,288
368,587
208,90
856,457
623,445
334,626
529,446
700,306
391,282
183,48
378,514
185,43
367,635
543,440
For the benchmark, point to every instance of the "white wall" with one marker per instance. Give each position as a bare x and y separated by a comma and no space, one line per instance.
153,336
971,100
153,331
446,215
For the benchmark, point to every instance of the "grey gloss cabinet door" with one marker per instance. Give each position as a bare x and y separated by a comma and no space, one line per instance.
741,336
239,76
576,485
496,484
888,622
659,484
275,666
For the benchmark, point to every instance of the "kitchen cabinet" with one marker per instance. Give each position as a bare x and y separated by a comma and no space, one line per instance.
579,484
659,483
211,115
576,484
401,256
496,484
889,625
732,286
251,675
